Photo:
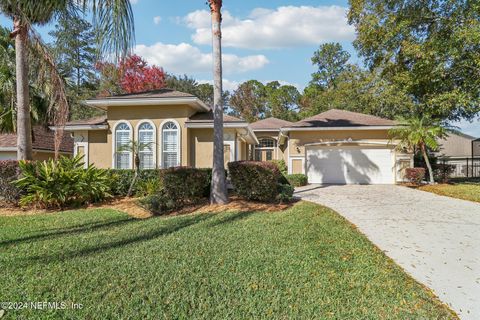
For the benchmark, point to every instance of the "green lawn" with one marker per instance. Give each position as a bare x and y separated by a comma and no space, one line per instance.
465,190
306,262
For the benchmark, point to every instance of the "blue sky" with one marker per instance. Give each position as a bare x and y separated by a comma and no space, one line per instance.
263,40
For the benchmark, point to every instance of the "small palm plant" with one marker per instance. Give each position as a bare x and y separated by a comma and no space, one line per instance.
419,132
135,147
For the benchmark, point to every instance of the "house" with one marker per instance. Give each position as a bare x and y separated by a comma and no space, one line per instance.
42,144
459,145
176,127
335,147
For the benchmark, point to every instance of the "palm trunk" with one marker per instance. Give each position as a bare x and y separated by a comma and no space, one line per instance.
427,162
24,126
218,193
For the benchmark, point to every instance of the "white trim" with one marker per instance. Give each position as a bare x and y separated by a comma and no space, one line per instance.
8,148
154,146
337,128
179,141
232,149
266,130
336,142
114,142
85,152
83,127
290,160
191,101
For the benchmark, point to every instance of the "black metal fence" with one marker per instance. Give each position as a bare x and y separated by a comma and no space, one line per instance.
463,167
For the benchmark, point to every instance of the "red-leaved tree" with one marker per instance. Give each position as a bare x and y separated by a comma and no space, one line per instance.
133,74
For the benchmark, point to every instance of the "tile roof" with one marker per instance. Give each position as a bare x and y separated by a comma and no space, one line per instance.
341,118
42,139
91,121
270,123
159,93
208,116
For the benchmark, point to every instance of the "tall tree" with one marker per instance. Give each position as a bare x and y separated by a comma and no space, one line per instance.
430,48
282,101
112,19
75,54
248,101
218,194
331,61
419,132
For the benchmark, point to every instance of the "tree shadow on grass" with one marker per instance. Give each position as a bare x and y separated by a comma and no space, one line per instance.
71,230
231,218
172,226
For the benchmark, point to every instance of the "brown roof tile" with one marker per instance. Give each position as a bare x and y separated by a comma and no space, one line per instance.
159,93
42,139
208,116
270,123
342,118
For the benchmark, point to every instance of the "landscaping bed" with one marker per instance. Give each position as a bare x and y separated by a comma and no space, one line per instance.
303,262
465,190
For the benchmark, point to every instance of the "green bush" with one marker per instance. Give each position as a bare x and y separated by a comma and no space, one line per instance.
281,165
61,183
297,179
9,172
285,193
158,203
148,181
254,180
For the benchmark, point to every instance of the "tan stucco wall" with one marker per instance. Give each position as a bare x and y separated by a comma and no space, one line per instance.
100,148
201,145
297,166
298,139
243,151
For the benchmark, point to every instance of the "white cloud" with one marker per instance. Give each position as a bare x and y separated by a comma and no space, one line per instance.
134,1
157,19
284,27
185,58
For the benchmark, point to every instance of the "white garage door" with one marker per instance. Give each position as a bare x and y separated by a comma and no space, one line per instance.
350,165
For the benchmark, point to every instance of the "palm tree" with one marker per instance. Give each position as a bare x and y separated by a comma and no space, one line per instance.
135,147
218,194
113,20
419,132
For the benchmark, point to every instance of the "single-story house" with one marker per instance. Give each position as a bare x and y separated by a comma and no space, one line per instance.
337,147
175,127
334,147
42,144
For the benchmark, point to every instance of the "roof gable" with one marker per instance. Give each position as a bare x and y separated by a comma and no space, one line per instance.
341,118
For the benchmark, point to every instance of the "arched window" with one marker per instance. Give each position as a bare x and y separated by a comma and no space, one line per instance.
265,149
170,145
146,140
123,155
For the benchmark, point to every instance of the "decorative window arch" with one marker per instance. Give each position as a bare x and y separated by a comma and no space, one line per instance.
122,136
146,137
265,149
170,146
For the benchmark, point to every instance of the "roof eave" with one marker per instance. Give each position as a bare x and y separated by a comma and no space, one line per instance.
337,128
105,103
79,127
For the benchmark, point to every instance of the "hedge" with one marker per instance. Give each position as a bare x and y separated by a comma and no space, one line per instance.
260,181
297,179
9,172
148,182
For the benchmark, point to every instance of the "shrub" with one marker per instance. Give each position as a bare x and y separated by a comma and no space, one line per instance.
255,180
415,175
285,193
281,165
148,181
185,185
297,179
442,172
61,183
9,172
157,203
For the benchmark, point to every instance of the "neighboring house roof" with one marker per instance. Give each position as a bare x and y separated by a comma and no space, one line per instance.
90,121
42,139
341,118
208,116
273,124
158,97
159,93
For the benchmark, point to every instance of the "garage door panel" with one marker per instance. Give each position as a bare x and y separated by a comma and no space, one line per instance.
330,165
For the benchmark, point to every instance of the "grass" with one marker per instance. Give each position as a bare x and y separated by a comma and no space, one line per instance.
305,262
462,190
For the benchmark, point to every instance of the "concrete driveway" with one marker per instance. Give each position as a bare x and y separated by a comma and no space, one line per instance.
436,239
